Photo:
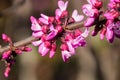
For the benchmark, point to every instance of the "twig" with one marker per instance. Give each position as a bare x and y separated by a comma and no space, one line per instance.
19,43
31,39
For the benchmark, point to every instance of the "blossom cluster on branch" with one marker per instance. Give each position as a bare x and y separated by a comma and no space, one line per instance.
48,29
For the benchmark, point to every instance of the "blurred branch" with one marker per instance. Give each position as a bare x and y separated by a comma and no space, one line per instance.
12,8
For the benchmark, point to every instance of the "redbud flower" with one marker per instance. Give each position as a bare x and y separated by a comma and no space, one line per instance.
92,11
109,26
76,16
9,55
54,28
61,11
116,29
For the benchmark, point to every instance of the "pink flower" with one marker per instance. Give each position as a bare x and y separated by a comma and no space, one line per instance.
50,29
36,27
95,3
52,34
110,35
76,16
61,12
53,50
70,47
37,43
112,14
43,49
7,71
116,29
62,5
6,38
9,56
45,19
90,11
6,54
102,33
89,22
65,53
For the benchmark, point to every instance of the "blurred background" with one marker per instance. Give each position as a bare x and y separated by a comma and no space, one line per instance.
98,61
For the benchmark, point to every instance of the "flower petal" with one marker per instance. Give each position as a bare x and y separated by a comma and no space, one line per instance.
37,34
58,13
52,53
44,16
89,22
76,16
43,50
51,35
86,33
35,25
110,35
65,55
44,21
70,47
37,43
62,5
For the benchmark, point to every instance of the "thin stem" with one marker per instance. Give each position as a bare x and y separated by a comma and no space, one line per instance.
31,39
19,43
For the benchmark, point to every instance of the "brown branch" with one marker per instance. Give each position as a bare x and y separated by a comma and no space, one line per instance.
19,43
31,39
75,25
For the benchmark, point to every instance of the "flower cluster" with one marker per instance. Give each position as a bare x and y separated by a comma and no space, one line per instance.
9,56
110,25
113,23
49,29
92,11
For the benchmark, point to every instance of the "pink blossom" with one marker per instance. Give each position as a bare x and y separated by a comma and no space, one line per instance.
102,33
70,47
76,16
62,5
65,53
43,50
6,54
112,14
6,38
52,29
9,56
95,3
37,43
52,34
53,50
45,19
36,28
89,22
89,10
7,71
116,29
61,12
110,35
35,25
